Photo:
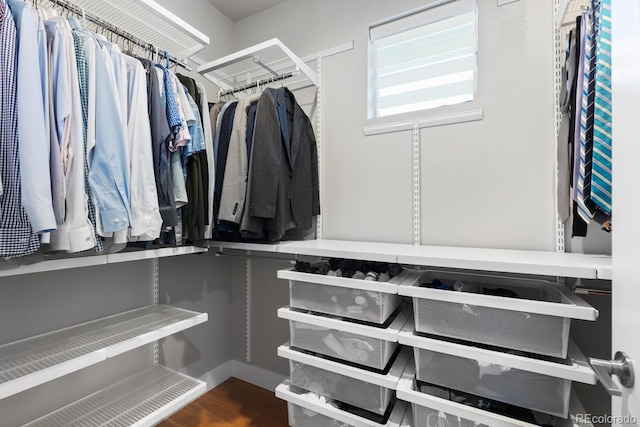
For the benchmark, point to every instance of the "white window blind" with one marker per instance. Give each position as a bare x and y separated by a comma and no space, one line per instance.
424,60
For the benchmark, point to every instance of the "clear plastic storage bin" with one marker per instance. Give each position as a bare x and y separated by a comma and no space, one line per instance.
515,379
536,320
433,408
363,389
363,345
309,411
364,300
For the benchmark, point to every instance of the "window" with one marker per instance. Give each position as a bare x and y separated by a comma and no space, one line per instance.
422,60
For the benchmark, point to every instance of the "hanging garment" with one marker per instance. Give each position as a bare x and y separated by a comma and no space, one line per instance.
146,221
563,143
83,77
16,236
234,186
602,142
161,136
33,131
74,231
108,163
221,148
283,190
211,170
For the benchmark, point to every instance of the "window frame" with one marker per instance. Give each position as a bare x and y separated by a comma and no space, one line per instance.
425,15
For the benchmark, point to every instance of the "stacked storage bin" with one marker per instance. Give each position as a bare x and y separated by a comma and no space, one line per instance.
492,350
345,360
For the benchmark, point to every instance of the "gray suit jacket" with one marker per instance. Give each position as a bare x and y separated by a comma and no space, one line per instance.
283,191
234,186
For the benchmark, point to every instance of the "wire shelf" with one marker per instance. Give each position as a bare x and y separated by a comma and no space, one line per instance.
266,60
146,20
33,361
143,399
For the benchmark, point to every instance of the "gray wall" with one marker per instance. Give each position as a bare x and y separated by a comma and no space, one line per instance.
200,283
472,191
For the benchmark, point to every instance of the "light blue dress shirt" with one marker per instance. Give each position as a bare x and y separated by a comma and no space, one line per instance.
33,130
108,163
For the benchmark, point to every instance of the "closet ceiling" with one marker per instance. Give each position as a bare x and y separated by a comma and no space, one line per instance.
237,10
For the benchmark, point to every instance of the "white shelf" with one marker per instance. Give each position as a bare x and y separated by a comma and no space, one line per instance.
508,261
543,263
243,67
257,247
28,363
154,253
143,399
150,22
370,251
71,262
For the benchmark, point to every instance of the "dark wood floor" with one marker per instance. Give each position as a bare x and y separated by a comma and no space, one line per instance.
233,403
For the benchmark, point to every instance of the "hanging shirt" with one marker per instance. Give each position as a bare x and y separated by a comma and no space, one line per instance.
79,229
160,138
146,221
108,164
33,132
83,77
16,236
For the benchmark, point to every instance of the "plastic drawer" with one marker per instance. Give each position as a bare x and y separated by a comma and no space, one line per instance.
530,390
540,385
306,412
364,389
364,345
364,300
432,411
537,321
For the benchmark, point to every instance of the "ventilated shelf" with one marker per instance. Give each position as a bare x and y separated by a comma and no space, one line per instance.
68,262
148,21
27,363
143,399
262,61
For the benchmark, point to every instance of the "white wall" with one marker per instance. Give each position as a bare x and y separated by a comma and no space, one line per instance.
487,183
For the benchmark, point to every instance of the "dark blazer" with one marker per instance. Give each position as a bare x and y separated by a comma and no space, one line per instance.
283,191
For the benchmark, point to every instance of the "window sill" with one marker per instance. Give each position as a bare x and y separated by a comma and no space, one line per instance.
406,123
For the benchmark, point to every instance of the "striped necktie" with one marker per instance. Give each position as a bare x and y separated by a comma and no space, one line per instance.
601,162
586,119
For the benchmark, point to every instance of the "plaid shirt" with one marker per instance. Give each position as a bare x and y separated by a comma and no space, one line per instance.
16,236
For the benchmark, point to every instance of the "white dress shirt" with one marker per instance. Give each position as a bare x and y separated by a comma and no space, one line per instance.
146,221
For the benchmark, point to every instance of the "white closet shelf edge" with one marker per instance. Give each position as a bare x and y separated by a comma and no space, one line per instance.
93,260
543,263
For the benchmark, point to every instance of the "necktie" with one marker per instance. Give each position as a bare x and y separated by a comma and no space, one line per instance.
586,121
601,163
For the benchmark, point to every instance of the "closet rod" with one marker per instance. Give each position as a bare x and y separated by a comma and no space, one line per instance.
117,31
259,83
